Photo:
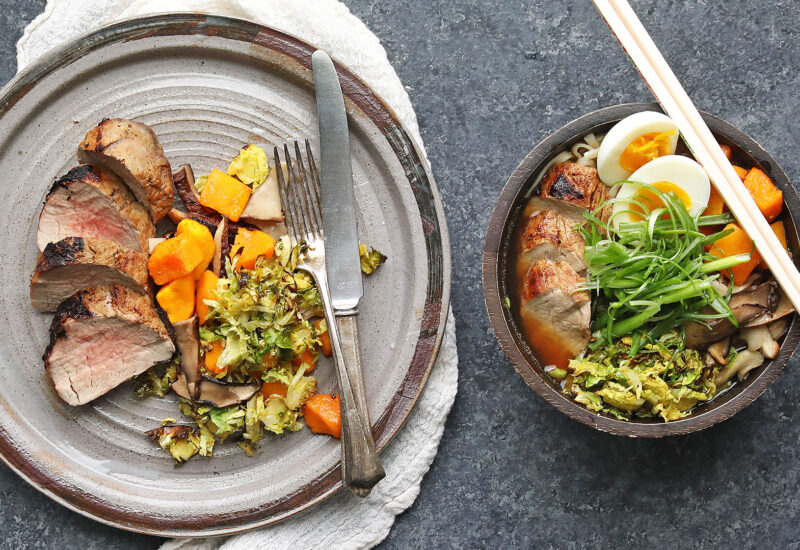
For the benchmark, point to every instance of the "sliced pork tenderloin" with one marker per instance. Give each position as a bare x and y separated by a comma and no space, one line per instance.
574,184
548,235
101,337
552,308
132,151
76,263
89,201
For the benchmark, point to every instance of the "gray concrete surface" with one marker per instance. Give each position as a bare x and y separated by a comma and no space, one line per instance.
489,80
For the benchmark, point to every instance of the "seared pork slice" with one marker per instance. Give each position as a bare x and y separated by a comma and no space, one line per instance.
101,337
89,201
575,184
132,151
566,210
552,309
550,236
75,263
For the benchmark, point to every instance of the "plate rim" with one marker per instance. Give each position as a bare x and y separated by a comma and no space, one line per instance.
433,317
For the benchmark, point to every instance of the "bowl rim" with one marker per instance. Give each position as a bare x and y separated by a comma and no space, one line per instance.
496,246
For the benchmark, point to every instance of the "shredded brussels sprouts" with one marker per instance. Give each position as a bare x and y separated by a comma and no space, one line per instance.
157,379
662,379
262,315
371,258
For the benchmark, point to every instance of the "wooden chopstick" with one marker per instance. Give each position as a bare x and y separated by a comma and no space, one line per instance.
656,72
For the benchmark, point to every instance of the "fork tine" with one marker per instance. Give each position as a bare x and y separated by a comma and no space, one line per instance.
312,205
295,189
314,178
288,202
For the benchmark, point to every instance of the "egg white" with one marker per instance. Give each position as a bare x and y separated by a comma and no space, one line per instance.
622,134
681,171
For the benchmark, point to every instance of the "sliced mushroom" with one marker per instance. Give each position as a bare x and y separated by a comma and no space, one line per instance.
759,338
719,350
265,202
778,328
219,395
783,309
183,178
187,338
223,245
744,362
746,306
754,279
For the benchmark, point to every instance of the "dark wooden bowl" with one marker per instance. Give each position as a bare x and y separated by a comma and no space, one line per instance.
499,249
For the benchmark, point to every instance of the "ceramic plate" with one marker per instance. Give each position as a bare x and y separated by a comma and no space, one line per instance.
207,86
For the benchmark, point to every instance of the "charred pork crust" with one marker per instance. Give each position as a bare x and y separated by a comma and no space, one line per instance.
64,252
90,251
71,308
83,172
573,183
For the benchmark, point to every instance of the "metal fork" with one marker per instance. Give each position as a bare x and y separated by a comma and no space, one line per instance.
361,466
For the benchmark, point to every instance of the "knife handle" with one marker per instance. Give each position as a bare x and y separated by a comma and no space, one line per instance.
361,466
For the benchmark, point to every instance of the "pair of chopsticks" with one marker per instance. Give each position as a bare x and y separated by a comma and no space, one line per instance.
637,42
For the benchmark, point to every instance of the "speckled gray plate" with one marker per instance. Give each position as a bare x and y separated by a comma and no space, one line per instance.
207,85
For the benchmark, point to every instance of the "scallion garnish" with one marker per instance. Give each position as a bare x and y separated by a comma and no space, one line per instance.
652,276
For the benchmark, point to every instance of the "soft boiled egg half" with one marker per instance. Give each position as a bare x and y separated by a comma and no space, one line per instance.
633,142
668,174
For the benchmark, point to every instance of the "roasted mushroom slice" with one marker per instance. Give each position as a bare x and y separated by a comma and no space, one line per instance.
187,338
760,339
746,306
719,350
778,328
216,394
265,202
744,362
783,309
180,440
223,246
183,178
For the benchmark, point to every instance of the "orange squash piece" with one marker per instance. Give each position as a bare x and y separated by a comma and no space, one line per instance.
780,232
212,356
323,415
250,245
768,197
738,242
324,337
225,194
715,203
202,236
269,389
206,290
177,298
173,258
727,150
741,172
306,357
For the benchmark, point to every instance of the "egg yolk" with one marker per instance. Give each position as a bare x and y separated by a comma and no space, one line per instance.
652,201
645,148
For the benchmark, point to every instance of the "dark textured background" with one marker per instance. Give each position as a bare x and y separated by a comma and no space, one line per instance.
488,81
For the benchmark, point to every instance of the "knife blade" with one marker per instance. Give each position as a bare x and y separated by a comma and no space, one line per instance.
338,197
361,465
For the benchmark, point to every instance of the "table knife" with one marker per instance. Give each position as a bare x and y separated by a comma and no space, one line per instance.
361,466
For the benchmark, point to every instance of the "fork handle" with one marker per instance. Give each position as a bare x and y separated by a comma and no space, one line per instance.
365,469
361,465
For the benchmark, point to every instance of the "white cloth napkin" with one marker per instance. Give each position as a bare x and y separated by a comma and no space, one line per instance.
342,521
